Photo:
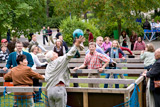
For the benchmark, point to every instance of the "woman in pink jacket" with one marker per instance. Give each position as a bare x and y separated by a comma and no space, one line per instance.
139,44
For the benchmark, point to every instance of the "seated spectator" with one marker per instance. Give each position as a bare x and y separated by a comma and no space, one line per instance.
125,49
148,56
37,63
4,42
93,60
139,44
106,44
25,46
133,39
114,53
59,48
21,75
3,53
124,39
34,42
64,43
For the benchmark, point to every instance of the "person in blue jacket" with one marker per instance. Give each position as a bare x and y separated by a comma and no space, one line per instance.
12,57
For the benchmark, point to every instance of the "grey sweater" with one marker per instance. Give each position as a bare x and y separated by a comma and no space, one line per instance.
57,70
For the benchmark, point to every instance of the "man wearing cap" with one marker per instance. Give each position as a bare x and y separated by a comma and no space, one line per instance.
4,42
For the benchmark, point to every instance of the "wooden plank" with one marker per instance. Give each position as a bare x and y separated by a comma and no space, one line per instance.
130,65
102,80
126,97
140,95
128,60
138,81
85,99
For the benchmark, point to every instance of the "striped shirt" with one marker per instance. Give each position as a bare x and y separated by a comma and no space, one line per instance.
95,61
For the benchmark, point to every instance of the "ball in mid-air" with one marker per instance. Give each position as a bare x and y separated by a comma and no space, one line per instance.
77,33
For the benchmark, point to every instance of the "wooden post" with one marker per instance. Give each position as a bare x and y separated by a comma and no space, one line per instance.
126,97
140,95
85,99
46,100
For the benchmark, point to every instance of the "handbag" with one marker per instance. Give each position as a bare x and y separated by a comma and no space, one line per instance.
157,84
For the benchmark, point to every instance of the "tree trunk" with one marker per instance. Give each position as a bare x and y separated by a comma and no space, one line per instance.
47,8
0,36
119,27
85,16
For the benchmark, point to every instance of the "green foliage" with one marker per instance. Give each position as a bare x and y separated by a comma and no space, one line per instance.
69,25
54,22
157,18
21,16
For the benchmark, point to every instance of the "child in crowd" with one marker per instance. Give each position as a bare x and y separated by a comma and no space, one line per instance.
106,44
3,53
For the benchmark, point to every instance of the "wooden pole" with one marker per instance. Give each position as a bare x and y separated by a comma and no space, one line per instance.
85,99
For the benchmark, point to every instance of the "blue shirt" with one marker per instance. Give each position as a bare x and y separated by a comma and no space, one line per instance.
99,49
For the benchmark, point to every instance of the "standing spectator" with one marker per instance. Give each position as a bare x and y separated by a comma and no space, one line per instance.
58,34
37,63
64,43
59,48
139,44
4,42
124,39
44,32
57,76
93,60
153,27
12,57
90,37
49,32
99,41
114,53
133,39
3,53
106,44
154,75
146,27
8,35
34,42
21,75
158,25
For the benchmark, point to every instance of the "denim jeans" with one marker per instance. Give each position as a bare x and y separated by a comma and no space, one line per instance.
115,76
148,67
147,34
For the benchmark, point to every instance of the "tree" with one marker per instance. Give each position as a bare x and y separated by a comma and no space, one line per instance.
21,16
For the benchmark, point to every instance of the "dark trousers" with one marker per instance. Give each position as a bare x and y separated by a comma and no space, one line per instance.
156,95
45,37
132,46
75,75
37,94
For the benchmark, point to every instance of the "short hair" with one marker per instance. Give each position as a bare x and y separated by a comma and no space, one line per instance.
87,30
157,53
150,47
49,55
116,42
99,37
106,38
25,44
33,47
92,43
58,40
57,30
18,42
20,58
34,36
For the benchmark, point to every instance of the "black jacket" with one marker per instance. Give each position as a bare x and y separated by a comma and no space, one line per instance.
146,25
154,74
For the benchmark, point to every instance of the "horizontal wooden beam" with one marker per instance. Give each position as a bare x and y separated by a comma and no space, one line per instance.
129,65
102,80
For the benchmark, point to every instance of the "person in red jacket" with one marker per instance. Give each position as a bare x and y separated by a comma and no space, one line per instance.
125,49
90,38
